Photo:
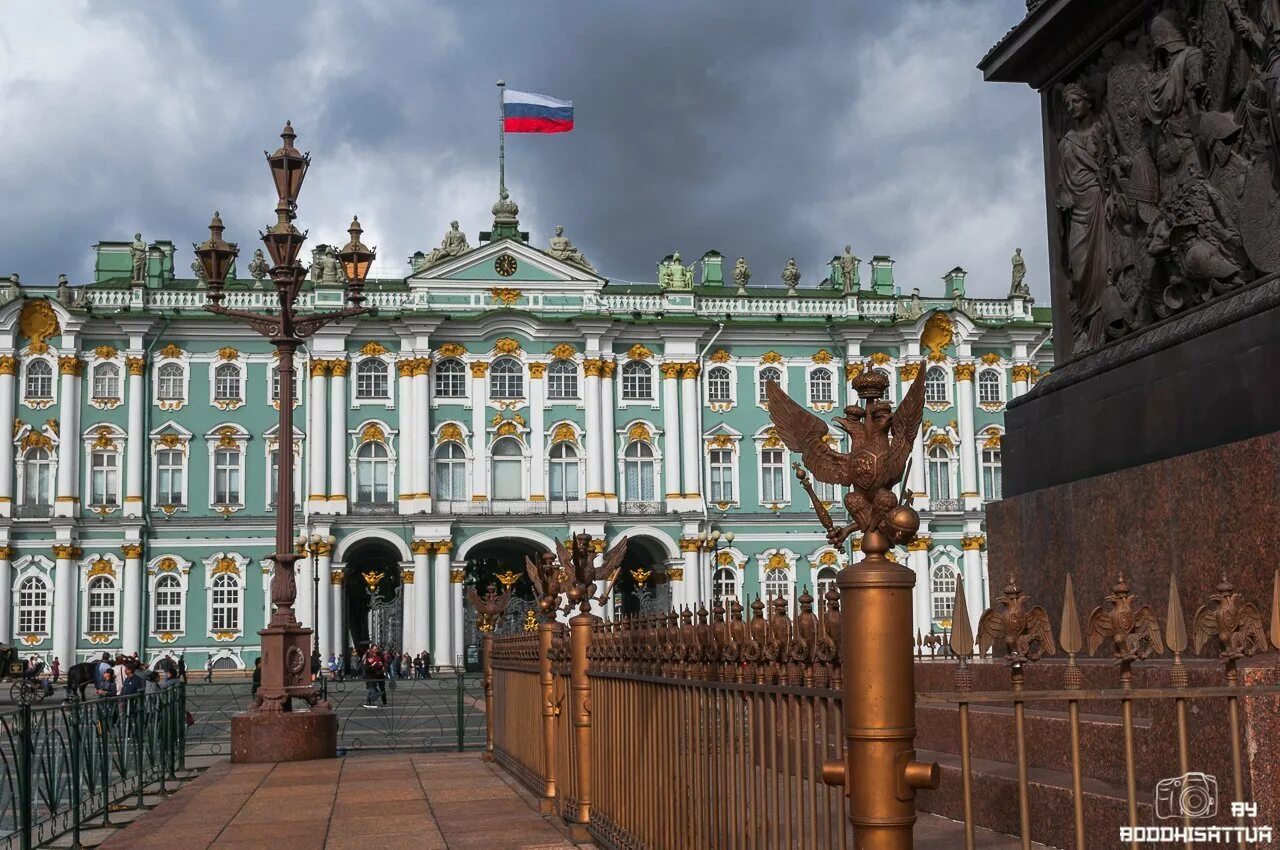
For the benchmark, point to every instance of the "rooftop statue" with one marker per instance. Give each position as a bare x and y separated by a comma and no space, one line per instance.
844,270
673,275
741,275
562,249
453,245
1016,284
197,269
138,255
258,268
791,276
324,265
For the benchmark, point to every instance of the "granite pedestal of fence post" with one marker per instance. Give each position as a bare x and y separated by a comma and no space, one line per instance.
1153,446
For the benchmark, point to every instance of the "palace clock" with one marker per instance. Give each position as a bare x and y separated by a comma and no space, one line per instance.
506,265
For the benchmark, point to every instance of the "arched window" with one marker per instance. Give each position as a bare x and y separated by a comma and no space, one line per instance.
637,381
991,474
102,604
33,606
168,605
506,379
169,382
989,386
226,662
820,387
170,468
564,472
224,610
371,379
39,380
940,473
508,470
638,472
37,478
824,583
777,584
373,474
766,375
935,385
226,477
451,379
725,584
106,381
721,461
226,382
451,473
773,475
104,477
719,384
942,591
562,379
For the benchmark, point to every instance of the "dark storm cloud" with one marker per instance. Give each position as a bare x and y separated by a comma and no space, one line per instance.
759,129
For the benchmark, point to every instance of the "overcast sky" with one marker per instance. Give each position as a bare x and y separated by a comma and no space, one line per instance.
755,128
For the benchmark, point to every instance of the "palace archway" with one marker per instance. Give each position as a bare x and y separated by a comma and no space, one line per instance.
485,562
642,586
373,596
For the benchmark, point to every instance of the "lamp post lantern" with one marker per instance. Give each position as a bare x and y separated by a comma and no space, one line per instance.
270,730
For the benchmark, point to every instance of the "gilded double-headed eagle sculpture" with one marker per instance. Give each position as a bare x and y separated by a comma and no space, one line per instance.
490,607
575,575
880,442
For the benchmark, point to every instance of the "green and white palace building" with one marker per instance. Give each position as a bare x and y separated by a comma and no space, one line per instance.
502,397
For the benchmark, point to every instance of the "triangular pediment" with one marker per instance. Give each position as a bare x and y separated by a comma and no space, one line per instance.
506,263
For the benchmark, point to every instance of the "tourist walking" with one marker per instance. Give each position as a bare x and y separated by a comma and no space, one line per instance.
208,669
257,676
56,669
374,678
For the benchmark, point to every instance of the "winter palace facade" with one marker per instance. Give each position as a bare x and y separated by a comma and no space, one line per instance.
502,397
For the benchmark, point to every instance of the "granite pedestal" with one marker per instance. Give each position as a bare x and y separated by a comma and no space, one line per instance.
258,737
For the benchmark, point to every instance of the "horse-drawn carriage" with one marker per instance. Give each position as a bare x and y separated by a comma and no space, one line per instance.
27,688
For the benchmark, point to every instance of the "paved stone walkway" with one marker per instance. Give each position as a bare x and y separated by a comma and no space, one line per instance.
371,802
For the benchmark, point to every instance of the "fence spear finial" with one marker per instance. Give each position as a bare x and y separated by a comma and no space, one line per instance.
961,630
1069,634
1175,627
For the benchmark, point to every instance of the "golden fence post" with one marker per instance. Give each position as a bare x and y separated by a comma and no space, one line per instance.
547,683
580,687
486,665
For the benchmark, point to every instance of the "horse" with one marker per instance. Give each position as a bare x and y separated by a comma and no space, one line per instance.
79,677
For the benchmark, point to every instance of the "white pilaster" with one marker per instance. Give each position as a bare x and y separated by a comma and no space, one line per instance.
324,609
131,608
442,605
916,477
597,441
337,636
305,572
338,436
317,444
420,436
671,434
65,601
971,546
479,431
1021,379
968,451
135,441
409,624
7,367
266,593
921,608
690,461
420,605
67,503
455,644
608,435
692,582
6,595
408,449
537,432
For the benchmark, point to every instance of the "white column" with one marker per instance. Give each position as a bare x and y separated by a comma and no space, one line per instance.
337,634
323,609
408,592
918,561
537,432
420,603
135,440
608,434
968,450
971,546
596,440
918,477
305,570
6,595
671,432
420,436
65,601
691,461
7,367
67,503
266,595
131,609
692,581
404,463
678,580
338,436
441,607
317,444
453,604
479,431
1021,379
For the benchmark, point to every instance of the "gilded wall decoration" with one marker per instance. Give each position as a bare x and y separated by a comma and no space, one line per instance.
639,352
37,323
451,349
937,335
373,348
563,351
507,345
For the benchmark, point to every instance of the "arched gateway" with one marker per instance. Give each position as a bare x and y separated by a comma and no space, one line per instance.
373,596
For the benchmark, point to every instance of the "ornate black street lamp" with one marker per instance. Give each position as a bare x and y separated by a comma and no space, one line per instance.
256,733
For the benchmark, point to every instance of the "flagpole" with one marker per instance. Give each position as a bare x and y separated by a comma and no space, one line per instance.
502,143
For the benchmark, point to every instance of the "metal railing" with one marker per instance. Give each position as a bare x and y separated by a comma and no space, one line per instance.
64,766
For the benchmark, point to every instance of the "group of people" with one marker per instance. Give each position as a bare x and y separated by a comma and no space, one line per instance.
126,675
377,665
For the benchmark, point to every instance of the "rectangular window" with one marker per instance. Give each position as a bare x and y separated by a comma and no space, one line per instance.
773,474
722,475
104,478
169,475
168,607
226,477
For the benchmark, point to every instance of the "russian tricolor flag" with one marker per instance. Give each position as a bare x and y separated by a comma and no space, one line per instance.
523,112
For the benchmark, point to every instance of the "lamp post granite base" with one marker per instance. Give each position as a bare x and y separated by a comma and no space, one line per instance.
271,731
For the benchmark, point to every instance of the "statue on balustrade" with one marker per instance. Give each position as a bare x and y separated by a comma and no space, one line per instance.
138,259
844,272
258,268
741,275
1017,282
562,249
1166,171
453,245
673,275
325,269
791,276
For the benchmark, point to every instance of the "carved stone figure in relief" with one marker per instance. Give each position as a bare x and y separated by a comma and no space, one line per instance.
454,244
741,275
138,257
562,249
